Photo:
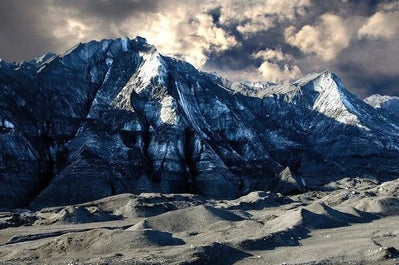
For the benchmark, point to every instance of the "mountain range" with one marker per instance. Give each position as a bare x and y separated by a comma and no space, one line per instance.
116,116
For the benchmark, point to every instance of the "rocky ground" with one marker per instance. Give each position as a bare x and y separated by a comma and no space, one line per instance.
352,221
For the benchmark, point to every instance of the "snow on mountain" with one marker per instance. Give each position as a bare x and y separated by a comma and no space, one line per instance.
333,101
116,116
389,104
378,101
322,92
151,72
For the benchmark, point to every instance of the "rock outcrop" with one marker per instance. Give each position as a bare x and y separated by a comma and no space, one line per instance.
116,116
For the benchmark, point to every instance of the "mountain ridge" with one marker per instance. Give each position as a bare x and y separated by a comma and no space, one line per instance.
116,116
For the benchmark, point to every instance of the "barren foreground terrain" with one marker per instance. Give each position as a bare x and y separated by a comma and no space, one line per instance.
352,221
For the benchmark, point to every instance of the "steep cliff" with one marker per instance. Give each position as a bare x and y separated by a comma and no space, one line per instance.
116,116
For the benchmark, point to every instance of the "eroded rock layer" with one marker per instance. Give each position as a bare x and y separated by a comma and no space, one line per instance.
116,116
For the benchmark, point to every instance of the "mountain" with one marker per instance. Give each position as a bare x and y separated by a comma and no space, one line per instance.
389,104
116,116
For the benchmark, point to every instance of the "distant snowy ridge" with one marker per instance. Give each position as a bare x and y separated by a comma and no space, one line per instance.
377,100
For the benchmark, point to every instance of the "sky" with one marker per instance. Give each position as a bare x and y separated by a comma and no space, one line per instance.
255,40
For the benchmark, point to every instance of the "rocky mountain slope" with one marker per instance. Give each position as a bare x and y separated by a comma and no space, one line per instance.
116,116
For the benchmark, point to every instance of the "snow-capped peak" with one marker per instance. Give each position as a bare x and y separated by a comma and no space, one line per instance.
333,100
377,101
322,92
150,79
152,71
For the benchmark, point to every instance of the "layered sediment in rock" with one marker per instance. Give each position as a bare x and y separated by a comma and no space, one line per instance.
116,116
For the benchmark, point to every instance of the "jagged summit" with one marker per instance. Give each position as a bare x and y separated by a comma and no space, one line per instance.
331,98
322,92
116,116
114,45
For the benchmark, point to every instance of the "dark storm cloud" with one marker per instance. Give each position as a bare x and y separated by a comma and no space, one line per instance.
240,57
345,8
367,69
27,27
23,30
366,85
107,10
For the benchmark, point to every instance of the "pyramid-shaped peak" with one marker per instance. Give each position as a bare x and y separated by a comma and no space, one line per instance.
312,77
325,84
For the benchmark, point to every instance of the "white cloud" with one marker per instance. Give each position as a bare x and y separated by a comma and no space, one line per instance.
256,24
185,33
273,73
182,29
258,15
271,70
190,33
239,10
325,39
390,6
270,54
276,67
381,25
72,29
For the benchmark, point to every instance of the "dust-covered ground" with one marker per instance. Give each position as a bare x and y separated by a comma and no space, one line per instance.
353,221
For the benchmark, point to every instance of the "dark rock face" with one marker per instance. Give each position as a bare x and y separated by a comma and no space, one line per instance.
288,183
116,116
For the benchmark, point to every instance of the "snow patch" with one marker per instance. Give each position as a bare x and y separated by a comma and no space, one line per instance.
125,43
151,73
132,126
8,124
377,101
332,101
152,69
168,110
219,107
109,61
240,106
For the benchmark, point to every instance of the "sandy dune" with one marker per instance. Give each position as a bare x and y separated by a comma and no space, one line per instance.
348,222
